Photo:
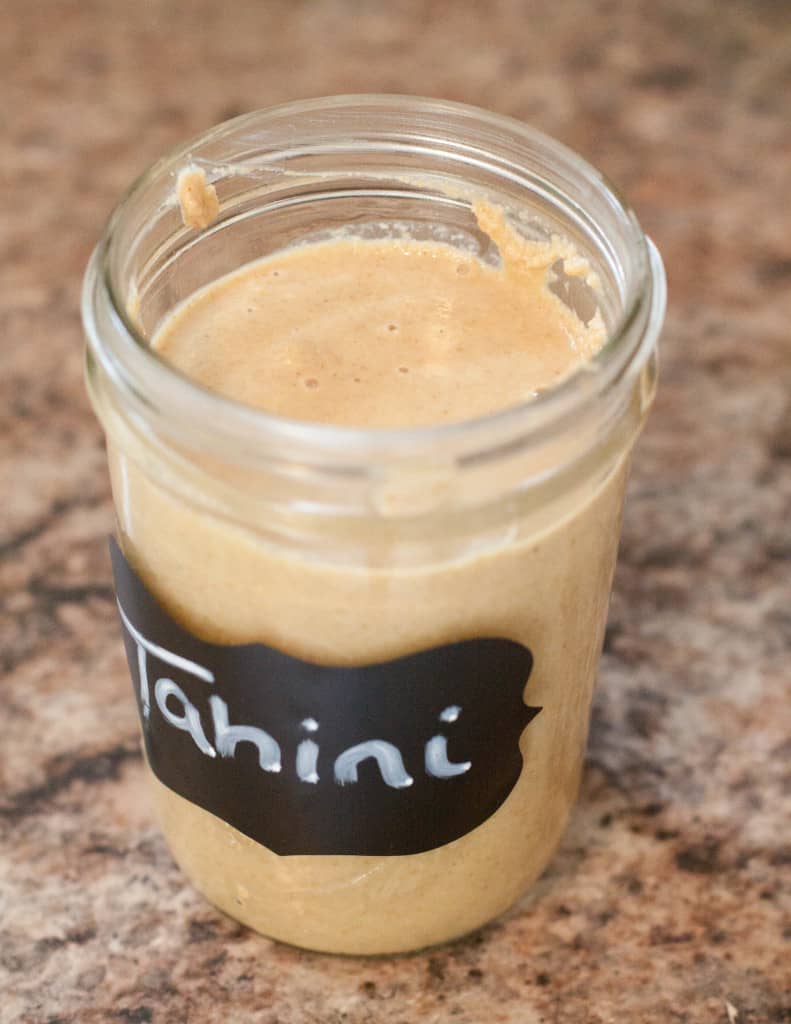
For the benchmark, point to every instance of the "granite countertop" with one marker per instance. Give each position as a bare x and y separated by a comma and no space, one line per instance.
669,900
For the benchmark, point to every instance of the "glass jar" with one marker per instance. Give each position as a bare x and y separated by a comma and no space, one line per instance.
339,549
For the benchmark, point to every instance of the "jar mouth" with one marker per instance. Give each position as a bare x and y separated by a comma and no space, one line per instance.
159,390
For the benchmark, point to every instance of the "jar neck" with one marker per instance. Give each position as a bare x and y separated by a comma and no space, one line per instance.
273,171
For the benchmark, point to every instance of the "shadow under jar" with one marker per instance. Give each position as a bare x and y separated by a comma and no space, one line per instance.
440,591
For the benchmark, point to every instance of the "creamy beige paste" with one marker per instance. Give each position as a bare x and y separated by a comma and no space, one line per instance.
382,333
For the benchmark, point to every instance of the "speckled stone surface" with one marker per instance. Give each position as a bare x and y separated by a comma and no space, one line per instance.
670,898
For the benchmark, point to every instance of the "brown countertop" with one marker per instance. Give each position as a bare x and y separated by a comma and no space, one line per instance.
669,900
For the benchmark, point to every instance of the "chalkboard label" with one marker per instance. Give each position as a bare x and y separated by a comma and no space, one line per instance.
391,758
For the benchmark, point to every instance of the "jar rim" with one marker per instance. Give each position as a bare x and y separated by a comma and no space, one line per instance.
141,372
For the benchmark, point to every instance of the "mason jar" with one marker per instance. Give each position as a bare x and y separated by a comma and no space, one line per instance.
364,658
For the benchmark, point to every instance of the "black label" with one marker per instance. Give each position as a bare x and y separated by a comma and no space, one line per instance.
390,758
